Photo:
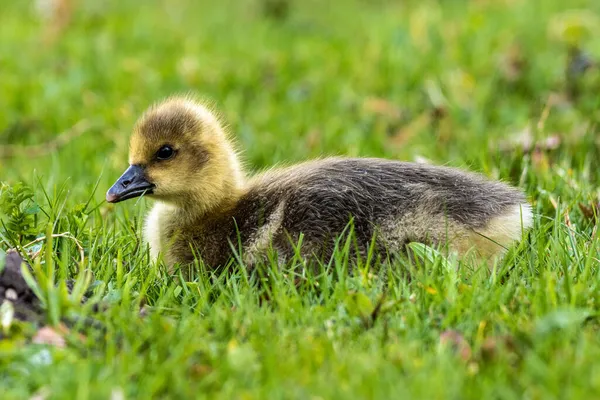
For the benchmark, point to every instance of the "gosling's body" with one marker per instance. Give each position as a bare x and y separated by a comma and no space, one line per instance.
393,202
209,208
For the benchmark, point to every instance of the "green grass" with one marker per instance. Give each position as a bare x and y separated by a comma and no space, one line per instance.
371,78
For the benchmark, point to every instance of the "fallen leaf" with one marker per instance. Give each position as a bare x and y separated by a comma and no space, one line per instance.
456,340
567,219
411,129
382,107
590,211
50,336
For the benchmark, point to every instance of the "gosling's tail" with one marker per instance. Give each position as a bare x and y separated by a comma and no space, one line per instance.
503,230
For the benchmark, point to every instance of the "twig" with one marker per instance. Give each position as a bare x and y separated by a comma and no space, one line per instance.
369,321
8,151
66,235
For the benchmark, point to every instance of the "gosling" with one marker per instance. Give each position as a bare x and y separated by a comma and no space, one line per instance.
180,155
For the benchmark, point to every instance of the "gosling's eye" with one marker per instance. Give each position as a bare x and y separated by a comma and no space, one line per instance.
165,152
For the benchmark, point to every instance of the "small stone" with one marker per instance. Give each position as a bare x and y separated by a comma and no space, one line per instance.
11,294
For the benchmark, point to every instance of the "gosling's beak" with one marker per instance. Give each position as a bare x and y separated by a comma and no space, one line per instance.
131,184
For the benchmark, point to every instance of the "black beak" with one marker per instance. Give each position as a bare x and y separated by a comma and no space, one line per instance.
131,184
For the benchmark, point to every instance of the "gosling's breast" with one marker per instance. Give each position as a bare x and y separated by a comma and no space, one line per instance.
155,228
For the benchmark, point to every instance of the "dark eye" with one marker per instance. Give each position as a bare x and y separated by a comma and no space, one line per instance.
165,152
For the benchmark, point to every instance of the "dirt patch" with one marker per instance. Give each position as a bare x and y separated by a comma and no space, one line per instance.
14,288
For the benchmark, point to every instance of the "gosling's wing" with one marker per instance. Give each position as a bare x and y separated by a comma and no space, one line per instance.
404,201
370,189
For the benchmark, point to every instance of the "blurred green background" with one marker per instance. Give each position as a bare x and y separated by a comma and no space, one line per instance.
510,88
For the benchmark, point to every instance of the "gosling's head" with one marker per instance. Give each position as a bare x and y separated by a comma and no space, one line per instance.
179,154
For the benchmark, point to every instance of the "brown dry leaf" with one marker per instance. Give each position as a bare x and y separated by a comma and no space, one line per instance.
412,129
590,211
567,219
458,342
382,107
50,336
